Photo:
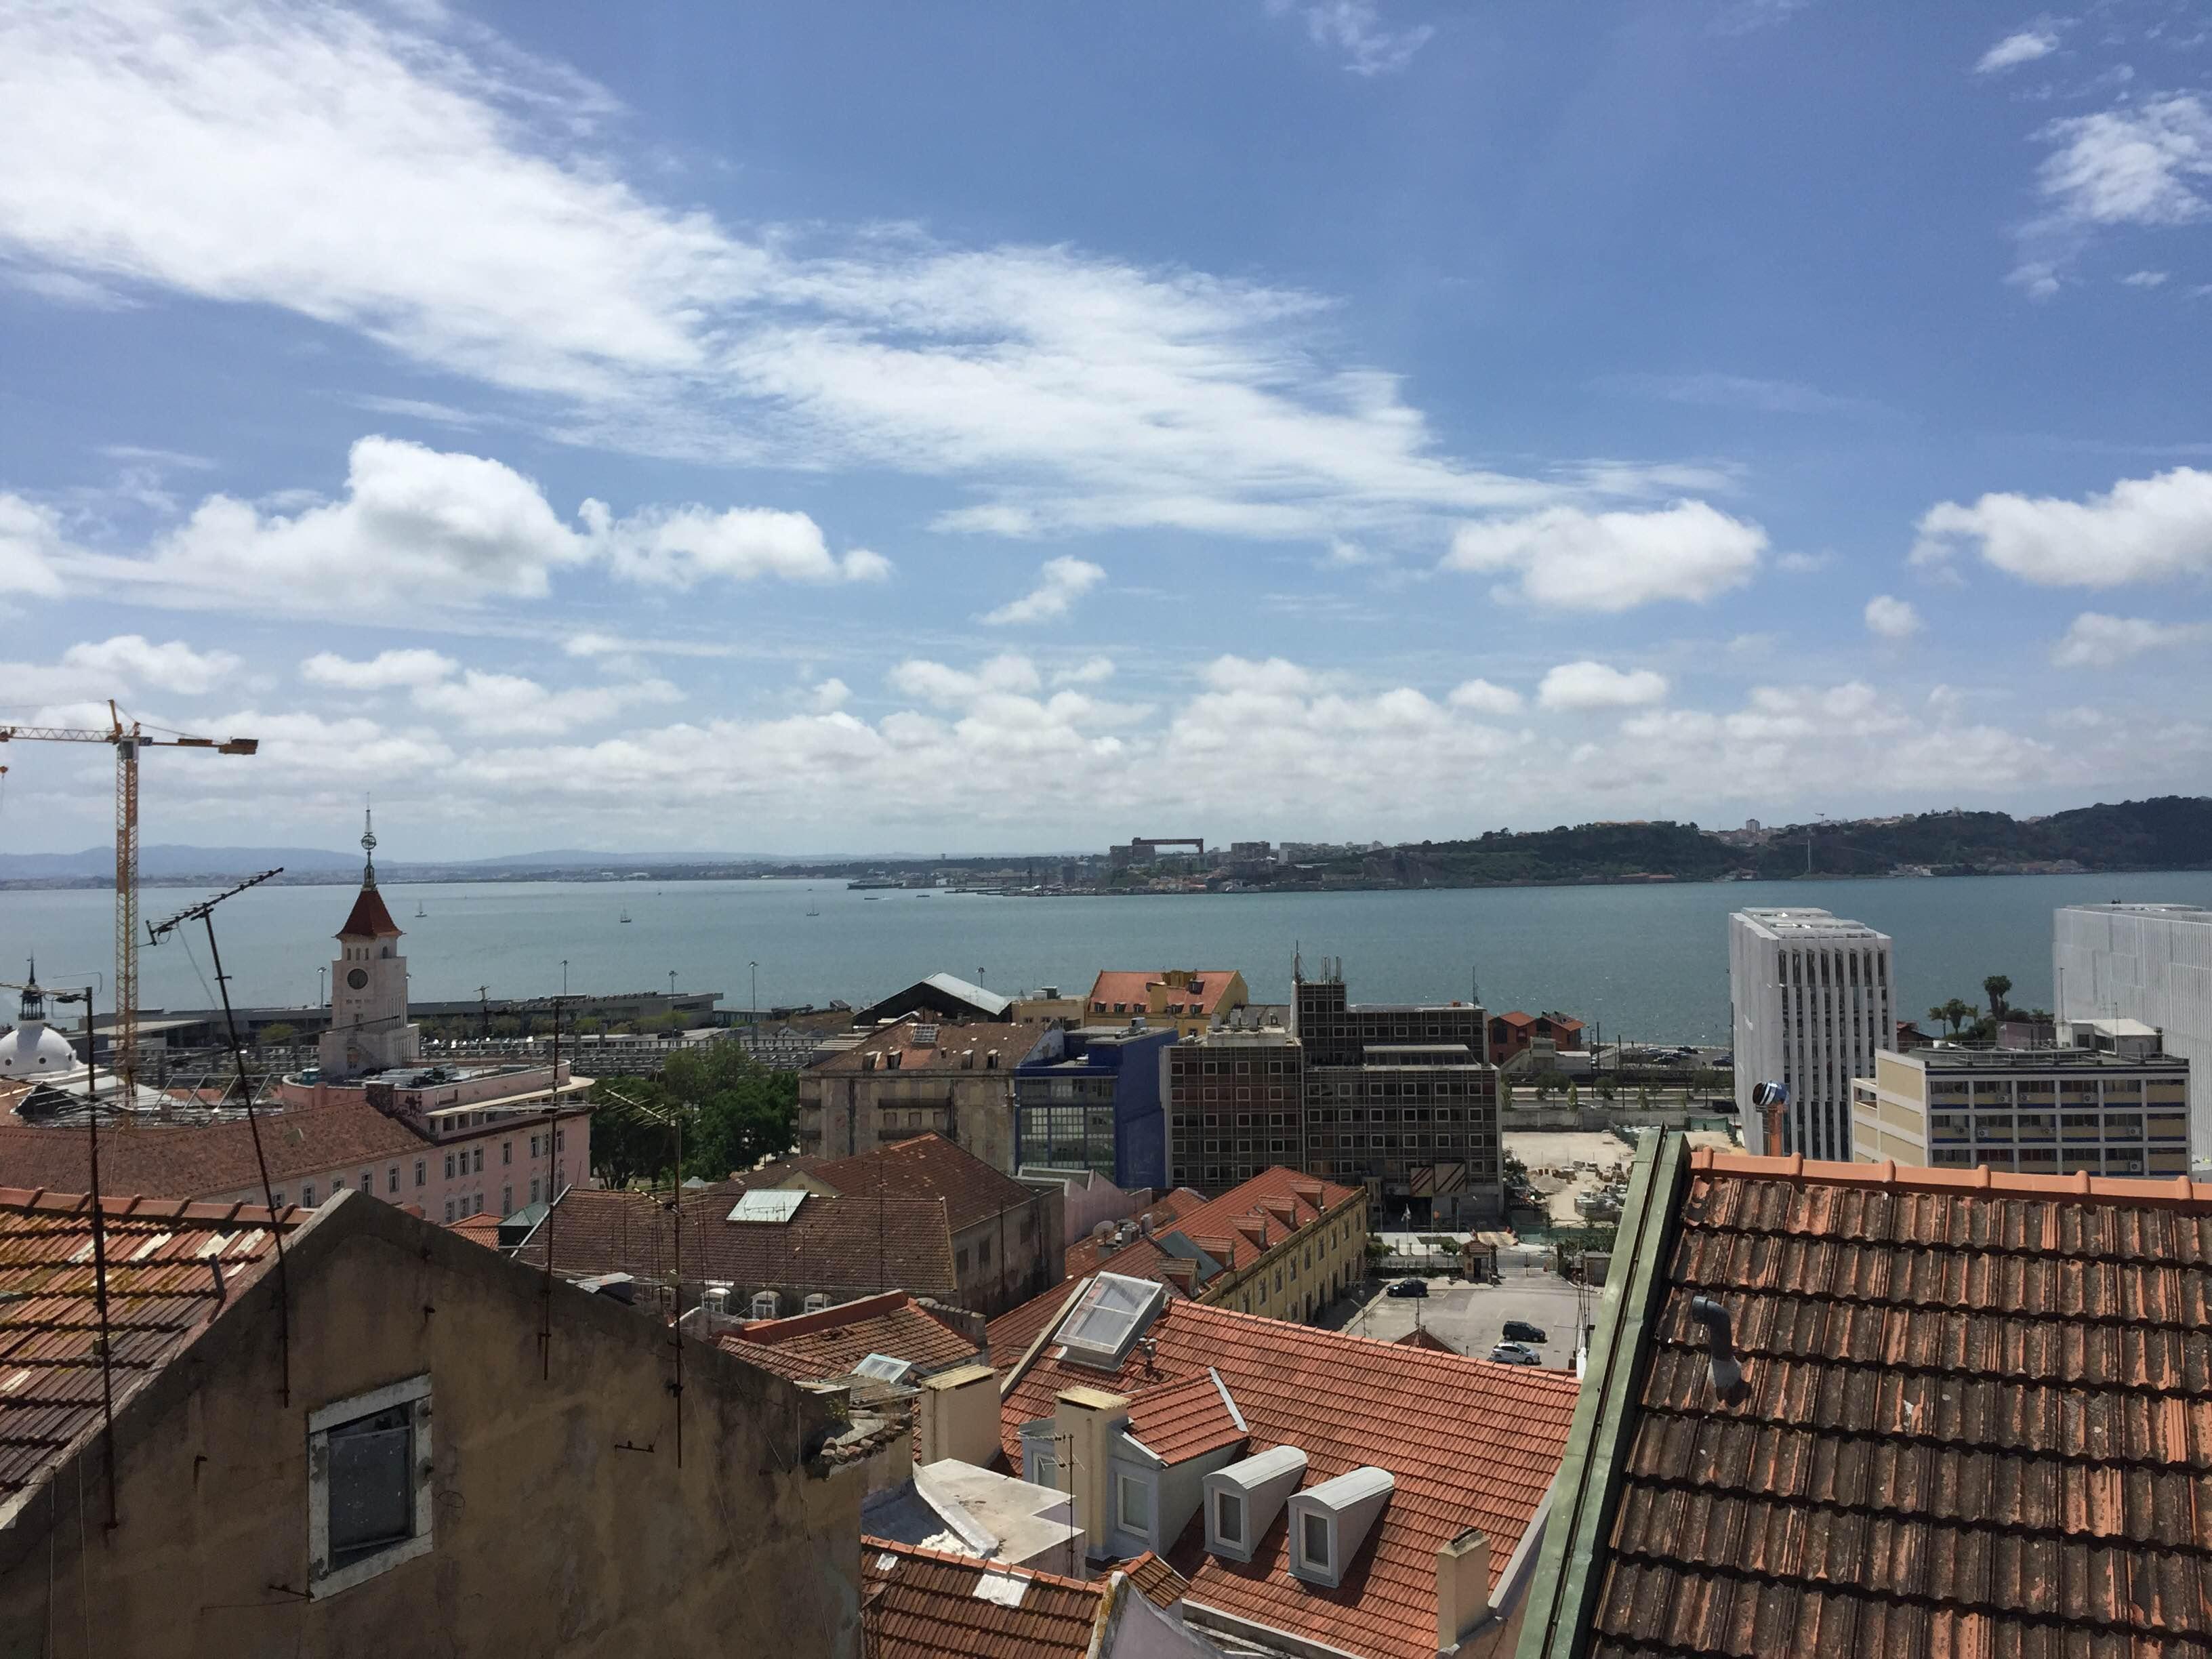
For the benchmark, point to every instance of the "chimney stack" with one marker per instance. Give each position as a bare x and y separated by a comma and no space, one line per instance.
959,1416
1085,1421
1462,1586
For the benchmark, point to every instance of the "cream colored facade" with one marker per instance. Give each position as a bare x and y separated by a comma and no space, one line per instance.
1299,1277
2046,1111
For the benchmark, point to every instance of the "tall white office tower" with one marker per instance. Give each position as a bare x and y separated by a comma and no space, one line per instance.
2149,962
1813,1003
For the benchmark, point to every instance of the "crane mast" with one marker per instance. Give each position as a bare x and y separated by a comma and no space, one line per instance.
127,741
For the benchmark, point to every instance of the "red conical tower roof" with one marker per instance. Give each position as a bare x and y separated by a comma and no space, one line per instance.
369,918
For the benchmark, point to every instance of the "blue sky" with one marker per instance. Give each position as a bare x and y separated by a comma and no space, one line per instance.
828,428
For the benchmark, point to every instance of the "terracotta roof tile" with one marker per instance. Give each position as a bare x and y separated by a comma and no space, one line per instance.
1420,1337
1468,1443
1184,1420
922,1604
162,1258
884,1243
368,918
1261,1213
480,1229
1011,1334
1156,1581
961,1046
1087,1256
808,1347
928,1166
1130,989
1980,1419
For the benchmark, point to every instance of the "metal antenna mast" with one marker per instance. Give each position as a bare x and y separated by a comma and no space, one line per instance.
157,931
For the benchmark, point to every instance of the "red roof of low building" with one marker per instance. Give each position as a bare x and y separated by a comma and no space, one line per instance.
928,1166
481,1228
1013,1332
809,1347
172,1266
1181,1420
1087,1256
1978,1419
1257,1215
1467,1443
369,918
1118,989
1156,1581
924,1604
1422,1337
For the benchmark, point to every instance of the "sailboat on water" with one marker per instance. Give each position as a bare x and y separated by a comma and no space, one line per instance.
625,917
419,911
812,908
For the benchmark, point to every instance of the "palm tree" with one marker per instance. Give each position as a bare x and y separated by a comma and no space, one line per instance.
1954,1013
1996,985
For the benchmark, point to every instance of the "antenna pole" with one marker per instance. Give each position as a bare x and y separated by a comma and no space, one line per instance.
99,1269
155,931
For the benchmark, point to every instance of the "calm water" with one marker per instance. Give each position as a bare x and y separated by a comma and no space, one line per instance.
1650,962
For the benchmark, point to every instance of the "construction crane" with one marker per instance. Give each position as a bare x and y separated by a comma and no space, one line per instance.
127,740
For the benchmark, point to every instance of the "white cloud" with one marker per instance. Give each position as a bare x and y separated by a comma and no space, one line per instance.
1356,28
830,695
2144,279
1745,392
684,546
1091,671
1586,685
511,705
417,408
1069,390
2100,641
1570,559
1481,697
1348,555
932,681
2152,529
31,545
1060,582
1891,618
2137,164
381,672
426,530
174,666
2015,49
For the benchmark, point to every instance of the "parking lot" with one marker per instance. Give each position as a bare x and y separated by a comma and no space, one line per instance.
1469,1317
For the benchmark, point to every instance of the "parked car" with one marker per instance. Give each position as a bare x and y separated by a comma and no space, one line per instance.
1520,1330
1409,1288
1516,1353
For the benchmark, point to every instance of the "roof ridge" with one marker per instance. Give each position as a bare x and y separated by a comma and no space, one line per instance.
836,1317
985,1564
139,1207
2134,1192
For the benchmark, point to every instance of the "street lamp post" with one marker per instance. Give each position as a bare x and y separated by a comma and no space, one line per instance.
564,976
671,985
319,973
753,1010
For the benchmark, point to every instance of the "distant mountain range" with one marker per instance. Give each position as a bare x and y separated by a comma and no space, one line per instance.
165,863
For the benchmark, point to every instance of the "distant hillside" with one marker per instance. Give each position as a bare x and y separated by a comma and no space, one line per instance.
161,863
2173,832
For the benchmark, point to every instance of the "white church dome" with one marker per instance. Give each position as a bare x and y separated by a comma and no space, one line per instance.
36,1049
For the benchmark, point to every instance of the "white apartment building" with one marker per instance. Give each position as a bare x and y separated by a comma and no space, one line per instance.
1814,1004
2151,963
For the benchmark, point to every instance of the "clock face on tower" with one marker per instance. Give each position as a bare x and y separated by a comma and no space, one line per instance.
357,978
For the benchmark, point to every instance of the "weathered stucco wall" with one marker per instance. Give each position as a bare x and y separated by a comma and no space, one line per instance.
549,1536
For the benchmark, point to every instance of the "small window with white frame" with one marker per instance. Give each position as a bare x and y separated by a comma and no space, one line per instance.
1314,1541
1132,1506
368,1485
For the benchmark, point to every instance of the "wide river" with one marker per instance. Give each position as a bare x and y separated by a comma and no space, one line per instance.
1650,962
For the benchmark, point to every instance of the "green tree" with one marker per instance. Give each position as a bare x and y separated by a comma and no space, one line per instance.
279,1036
1954,1013
1996,985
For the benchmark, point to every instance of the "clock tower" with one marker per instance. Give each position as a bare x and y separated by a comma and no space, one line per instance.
368,1029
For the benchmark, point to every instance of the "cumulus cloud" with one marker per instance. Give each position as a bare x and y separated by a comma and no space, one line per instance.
2152,529
1060,584
381,672
1067,388
1570,559
830,695
1481,697
1091,671
31,546
2139,164
426,529
2095,640
1356,28
512,705
1586,685
1891,618
173,666
932,681
2144,279
2015,49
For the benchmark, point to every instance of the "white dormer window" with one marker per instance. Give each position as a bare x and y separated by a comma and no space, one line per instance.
764,1306
1132,1505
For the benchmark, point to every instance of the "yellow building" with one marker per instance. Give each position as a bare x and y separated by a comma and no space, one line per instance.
2112,1103
1189,999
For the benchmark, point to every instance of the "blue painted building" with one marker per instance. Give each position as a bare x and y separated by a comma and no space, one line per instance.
1095,1098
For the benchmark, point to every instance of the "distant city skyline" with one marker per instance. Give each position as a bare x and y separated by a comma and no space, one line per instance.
785,424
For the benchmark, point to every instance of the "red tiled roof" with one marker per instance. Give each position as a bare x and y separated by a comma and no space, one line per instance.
368,918
480,1229
1467,1442
964,1046
1250,1217
808,1347
1155,1580
162,1258
899,1242
922,1604
1132,990
1980,1419
928,1166
1420,1337
1011,1334
1184,1420
176,1160
1087,1256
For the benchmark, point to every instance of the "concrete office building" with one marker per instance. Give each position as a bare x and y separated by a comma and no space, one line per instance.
1235,1106
2109,1103
1813,1002
2151,963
